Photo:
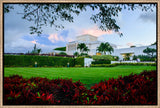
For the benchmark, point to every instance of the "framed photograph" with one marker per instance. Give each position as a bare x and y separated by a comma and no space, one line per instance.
80,53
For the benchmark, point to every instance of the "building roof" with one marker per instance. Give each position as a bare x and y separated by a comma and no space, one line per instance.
86,35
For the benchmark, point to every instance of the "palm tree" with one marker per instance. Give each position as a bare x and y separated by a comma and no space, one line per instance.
105,47
81,46
110,49
101,48
86,49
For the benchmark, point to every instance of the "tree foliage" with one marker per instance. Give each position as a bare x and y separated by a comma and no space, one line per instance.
105,47
83,47
149,51
76,54
36,50
62,53
61,48
51,14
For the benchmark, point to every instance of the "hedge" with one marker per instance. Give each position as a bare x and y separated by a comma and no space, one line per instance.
116,64
42,61
79,61
101,62
144,58
102,57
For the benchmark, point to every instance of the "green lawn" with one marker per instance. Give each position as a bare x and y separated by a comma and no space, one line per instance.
88,76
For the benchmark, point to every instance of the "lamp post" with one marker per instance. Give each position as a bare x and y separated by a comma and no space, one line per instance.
68,64
35,64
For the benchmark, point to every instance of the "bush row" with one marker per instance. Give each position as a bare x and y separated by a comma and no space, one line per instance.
117,64
131,90
101,62
144,58
103,57
42,61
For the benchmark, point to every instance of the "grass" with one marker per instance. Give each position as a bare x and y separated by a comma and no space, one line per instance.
88,76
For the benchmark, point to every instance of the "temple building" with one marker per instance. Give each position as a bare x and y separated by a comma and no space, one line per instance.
91,42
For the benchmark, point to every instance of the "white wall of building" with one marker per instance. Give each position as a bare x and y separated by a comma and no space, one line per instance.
135,50
92,43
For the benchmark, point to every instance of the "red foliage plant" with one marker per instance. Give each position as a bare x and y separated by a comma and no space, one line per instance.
129,90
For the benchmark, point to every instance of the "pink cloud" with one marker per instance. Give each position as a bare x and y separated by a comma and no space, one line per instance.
95,31
54,37
34,42
130,44
61,38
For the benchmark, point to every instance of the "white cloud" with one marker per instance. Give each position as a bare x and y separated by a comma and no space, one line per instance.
55,38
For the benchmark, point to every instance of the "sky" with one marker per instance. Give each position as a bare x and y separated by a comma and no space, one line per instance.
138,28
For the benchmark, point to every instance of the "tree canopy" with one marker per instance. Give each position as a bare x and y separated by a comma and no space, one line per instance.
61,48
105,47
48,14
35,50
83,47
149,51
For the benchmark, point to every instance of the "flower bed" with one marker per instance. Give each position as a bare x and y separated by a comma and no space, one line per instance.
132,89
129,90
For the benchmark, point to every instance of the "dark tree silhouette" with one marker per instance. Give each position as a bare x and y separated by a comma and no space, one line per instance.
48,14
149,51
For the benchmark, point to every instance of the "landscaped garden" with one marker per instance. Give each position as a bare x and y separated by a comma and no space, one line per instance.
128,90
88,76
51,81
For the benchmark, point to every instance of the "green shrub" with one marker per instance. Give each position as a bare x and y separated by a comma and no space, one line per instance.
28,61
116,64
62,53
79,61
101,62
42,61
102,57
61,49
115,58
103,65
78,66
144,58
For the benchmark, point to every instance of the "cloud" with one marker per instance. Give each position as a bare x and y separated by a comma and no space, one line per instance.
34,42
129,44
18,46
148,17
54,38
95,31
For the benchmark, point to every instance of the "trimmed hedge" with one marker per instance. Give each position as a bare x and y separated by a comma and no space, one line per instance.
117,64
101,62
79,61
102,57
42,61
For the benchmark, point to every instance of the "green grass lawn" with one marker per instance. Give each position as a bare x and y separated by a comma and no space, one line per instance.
88,76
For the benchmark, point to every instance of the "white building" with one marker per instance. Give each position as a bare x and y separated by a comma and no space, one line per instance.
133,51
91,42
